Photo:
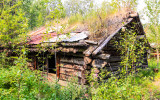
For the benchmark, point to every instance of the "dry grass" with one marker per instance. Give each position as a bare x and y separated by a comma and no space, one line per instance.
103,25
100,23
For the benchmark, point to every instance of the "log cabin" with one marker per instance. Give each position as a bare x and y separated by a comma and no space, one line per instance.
154,51
78,52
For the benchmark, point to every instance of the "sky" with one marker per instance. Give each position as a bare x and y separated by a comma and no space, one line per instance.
141,5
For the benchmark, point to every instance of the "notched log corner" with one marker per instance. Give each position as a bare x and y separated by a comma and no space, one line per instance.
99,63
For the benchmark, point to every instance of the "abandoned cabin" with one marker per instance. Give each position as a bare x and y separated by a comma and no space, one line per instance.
79,52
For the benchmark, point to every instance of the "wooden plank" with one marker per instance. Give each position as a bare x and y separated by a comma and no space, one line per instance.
71,72
91,42
78,55
72,66
133,15
58,66
72,50
100,47
73,60
89,51
103,56
74,44
104,43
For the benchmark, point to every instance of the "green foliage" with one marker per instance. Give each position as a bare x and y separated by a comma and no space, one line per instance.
120,89
17,81
20,82
78,6
56,10
35,11
132,50
152,11
75,18
133,87
12,22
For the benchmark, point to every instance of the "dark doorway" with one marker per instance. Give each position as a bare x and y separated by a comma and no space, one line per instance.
41,62
52,64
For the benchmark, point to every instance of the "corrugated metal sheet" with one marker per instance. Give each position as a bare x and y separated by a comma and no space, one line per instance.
42,34
77,37
60,38
37,39
72,37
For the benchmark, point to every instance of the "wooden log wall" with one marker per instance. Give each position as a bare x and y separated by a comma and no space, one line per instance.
78,64
72,63
76,60
73,67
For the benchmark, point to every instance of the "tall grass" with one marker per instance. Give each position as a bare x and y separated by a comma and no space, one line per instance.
30,85
19,82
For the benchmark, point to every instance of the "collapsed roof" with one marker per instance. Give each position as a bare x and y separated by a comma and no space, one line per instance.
82,34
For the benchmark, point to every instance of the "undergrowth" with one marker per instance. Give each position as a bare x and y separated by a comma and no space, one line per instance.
22,83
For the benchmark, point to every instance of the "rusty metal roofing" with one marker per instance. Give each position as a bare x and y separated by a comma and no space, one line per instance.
48,35
36,37
60,37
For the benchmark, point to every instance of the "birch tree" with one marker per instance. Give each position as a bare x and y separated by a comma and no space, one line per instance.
153,13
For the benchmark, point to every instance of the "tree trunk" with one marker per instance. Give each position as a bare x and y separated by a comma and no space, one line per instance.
157,57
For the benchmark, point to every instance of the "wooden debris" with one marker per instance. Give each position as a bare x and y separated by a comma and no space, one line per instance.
100,47
73,60
74,44
99,63
104,43
89,51
103,56
87,60
74,50
72,66
91,42
71,72
133,15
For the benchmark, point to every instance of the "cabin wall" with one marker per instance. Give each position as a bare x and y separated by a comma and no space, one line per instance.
72,65
109,58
